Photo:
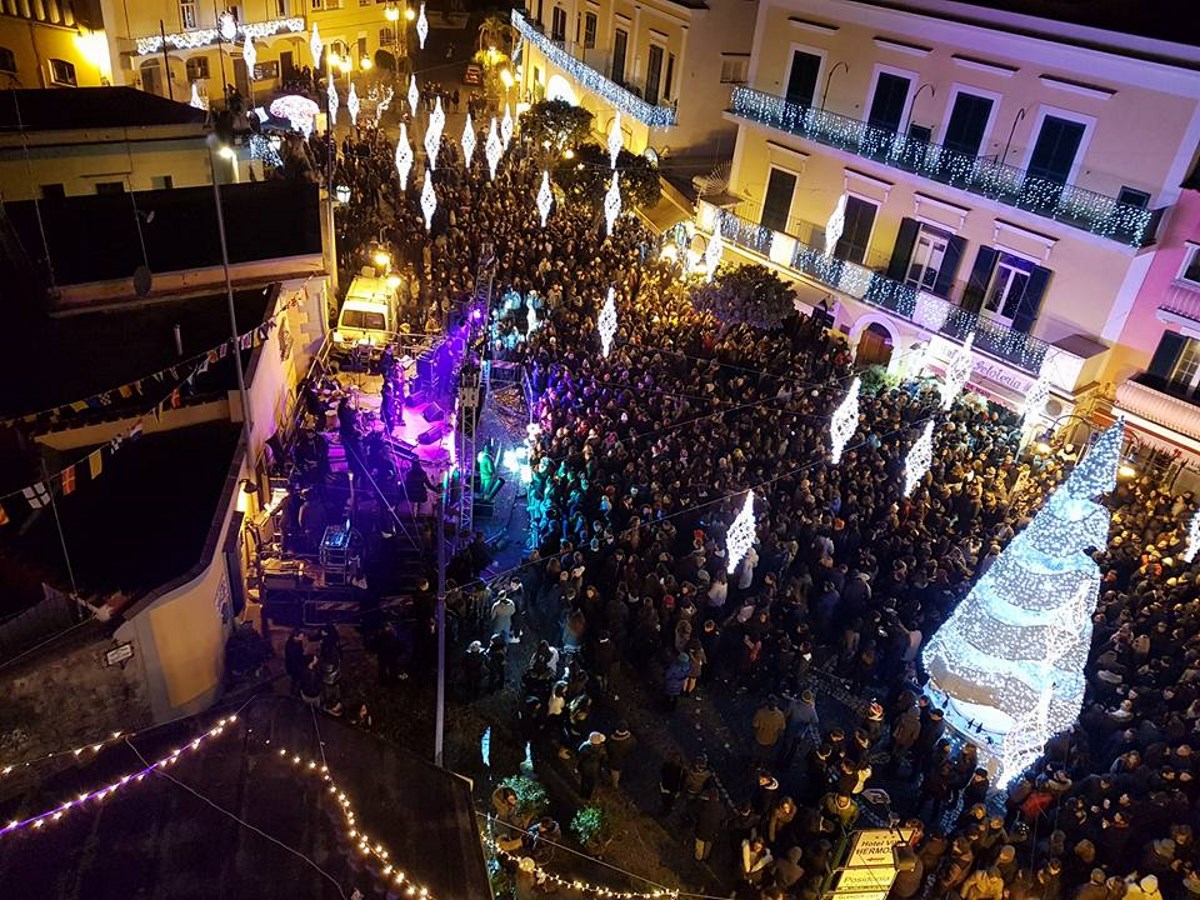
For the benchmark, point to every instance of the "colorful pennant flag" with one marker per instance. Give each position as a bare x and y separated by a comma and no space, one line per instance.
68,480
96,462
3,516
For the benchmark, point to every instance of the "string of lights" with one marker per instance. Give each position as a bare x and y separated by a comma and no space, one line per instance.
591,80
206,37
56,813
542,876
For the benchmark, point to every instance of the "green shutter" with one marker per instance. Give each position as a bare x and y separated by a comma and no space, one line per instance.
977,282
897,268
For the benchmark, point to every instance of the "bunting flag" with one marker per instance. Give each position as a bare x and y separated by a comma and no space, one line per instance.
3,516
174,400
136,431
68,480
126,391
96,463
223,350
37,495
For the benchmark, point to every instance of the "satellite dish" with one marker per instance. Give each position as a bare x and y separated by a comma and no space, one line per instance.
143,280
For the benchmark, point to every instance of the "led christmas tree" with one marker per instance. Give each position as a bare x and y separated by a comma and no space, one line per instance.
1008,664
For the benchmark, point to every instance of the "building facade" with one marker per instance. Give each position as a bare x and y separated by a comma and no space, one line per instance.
52,43
1158,375
167,47
932,170
666,66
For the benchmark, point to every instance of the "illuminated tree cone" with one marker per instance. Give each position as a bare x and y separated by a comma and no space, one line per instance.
1008,664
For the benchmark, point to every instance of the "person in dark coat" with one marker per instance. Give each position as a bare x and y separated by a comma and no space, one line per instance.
621,744
710,815
786,870
592,756
670,782
295,659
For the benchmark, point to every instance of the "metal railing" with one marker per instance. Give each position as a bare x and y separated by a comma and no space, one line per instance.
593,79
876,289
985,176
1182,299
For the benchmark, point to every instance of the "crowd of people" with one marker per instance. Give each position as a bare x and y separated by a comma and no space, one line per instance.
643,459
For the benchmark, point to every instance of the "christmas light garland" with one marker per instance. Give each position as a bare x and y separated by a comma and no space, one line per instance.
205,37
542,876
545,198
315,46
352,105
99,794
616,139
612,203
918,460
428,199
422,27
404,157
606,324
1193,539
844,421
414,95
983,176
493,150
433,133
741,534
591,80
468,141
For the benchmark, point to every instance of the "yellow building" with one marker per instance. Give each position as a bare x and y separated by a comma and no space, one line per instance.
101,140
931,170
666,66
170,47
52,43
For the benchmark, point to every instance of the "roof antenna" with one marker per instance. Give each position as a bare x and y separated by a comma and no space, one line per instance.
37,208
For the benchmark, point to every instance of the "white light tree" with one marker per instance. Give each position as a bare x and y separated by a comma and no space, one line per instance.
1008,664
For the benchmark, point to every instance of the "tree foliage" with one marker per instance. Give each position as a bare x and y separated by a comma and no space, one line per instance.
752,294
556,122
587,177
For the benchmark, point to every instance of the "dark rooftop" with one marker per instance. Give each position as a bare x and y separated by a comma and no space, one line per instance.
91,107
1174,21
142,523
61,359
96,237
159,838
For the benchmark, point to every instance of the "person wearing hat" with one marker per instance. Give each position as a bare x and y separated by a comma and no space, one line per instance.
1095,889
592,757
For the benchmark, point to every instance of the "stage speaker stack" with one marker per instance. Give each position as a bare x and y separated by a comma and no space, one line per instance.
416,398
426,371
434,412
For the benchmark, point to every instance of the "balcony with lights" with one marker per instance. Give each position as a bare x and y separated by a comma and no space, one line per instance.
1167,405
983,176
582,69
1181,306
872,287
231,33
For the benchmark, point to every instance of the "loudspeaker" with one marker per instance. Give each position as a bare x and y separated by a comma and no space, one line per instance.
434,434
434,412
416,398
426,370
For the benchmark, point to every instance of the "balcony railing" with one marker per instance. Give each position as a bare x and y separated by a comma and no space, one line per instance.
1080,208
208,37
1147,396
876,289
592,79
1182,299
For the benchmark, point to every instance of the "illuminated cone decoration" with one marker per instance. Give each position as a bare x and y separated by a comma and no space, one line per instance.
493,150
545,198
468,141
612,203
607,323
428,199
844,422
741,534
404,157
920,457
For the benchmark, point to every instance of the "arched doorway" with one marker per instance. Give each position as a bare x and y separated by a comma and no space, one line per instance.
558,88
874,346
152,78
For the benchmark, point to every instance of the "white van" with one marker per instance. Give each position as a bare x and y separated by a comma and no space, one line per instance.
368,315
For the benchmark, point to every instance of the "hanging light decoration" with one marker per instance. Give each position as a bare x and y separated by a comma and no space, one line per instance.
1035,401
919,458
606,324
428,199
493,150
468,141
506,128
1193,539
197,102
422,27
612,203
227,26
741,534
414,95
712,253
433,134
249,55
404,157
352,105
615,139
316,46
844,421
958,370
545,197
332,94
